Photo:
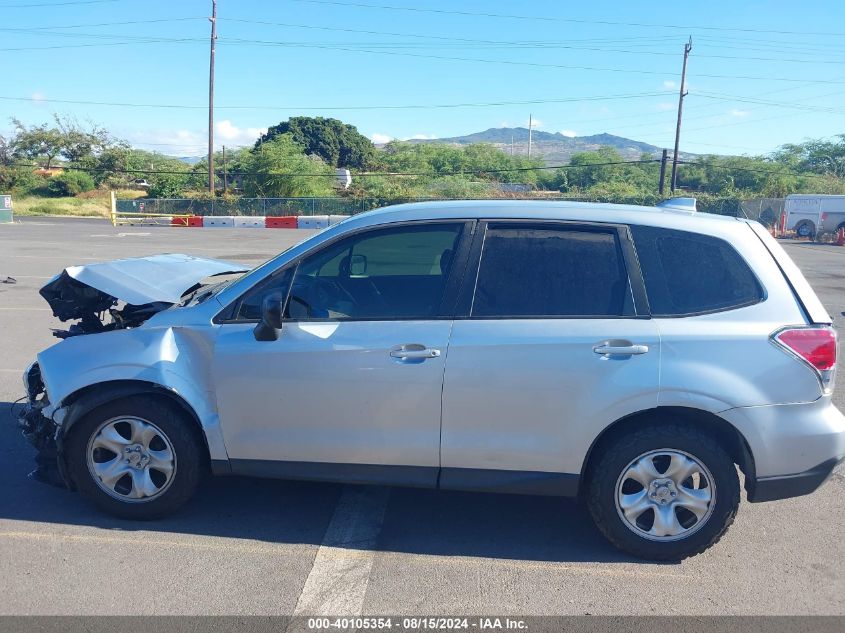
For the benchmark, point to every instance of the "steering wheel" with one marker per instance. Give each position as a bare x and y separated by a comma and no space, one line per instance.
329,292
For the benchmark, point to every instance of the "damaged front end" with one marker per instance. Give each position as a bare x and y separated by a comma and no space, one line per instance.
126,292
104,297
41,431
73,300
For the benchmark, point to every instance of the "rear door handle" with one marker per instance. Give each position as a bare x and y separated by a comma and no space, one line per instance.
620,350
414,352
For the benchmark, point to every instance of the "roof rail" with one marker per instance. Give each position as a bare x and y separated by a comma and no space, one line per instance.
679,204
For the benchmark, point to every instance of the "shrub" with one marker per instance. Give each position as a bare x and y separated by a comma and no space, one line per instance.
70,183
19,180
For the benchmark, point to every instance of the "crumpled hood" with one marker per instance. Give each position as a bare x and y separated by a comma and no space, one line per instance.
141,280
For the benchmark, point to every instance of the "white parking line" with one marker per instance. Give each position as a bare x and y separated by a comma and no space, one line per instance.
119,234
340,574
33,276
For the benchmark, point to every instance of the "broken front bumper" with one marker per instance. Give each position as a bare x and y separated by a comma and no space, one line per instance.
41,431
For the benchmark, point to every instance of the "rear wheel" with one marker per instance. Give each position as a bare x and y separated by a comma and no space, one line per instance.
137,457
805,229
663,492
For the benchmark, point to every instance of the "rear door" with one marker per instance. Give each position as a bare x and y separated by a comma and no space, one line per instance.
551,347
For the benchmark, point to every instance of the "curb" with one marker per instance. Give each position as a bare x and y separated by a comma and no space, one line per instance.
258,222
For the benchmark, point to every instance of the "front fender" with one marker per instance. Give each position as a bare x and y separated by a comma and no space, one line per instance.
177,359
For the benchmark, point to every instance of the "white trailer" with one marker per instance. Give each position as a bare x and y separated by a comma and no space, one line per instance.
811,215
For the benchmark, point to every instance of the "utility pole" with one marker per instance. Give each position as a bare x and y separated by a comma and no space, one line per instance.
663,160
530,121
225,179
682,93
213,20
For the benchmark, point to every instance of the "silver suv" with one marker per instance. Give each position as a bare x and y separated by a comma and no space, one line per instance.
629,356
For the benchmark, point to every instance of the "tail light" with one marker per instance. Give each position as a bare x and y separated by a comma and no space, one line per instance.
815,346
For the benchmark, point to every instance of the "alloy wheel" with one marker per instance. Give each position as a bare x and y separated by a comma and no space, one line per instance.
665,495
131,459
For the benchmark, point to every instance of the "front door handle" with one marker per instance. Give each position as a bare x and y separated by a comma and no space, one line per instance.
414,351
620,350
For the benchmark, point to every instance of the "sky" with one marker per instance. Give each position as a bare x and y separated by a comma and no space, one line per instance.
760,74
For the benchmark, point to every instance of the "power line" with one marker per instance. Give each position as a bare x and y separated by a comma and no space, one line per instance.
558,19
419,35
358,174
363,107
391,47
64,46
765,102
771,172
541,65
54,4
650,161
85,26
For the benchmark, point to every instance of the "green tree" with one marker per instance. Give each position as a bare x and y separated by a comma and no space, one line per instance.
279,169
65,138
337,143
819,156
480,161
37,143
168,185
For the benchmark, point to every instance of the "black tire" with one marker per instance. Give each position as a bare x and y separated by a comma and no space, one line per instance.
806,229
607,467
183,435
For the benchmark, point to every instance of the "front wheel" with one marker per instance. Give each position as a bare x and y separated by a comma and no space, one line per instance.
663,492
137,457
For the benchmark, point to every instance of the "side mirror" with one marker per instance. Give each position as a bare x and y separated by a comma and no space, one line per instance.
271,319
358,266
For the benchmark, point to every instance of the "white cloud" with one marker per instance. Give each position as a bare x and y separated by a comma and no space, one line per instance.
670,84
739,114
665,106
535,123
421,137
569,133
380,139
37,97
233,135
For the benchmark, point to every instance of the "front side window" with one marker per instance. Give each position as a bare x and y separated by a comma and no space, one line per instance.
689,273
548,271
249,307
388,273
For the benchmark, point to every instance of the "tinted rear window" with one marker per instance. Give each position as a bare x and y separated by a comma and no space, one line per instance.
689,273
548,271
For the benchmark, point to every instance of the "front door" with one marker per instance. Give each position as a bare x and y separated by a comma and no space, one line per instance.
550,351
351,389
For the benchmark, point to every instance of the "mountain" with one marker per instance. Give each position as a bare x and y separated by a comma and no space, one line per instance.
553,147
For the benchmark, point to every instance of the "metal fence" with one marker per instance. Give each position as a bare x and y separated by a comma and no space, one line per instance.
767,210
272,207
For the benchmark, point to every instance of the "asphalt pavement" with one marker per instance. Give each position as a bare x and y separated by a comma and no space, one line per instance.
250,546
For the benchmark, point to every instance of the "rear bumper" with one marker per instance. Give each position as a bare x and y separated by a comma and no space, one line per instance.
794,447
773,488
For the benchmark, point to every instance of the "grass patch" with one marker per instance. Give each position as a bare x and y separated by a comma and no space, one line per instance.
33,205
